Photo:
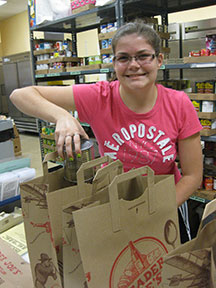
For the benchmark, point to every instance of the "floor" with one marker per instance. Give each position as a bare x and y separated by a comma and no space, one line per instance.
30,146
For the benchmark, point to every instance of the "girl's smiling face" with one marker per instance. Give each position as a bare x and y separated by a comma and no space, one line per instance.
136,74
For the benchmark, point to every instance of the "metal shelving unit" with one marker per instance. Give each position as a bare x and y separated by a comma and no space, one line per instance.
121,11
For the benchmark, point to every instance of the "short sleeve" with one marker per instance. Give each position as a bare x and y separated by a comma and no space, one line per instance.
189,121
85,97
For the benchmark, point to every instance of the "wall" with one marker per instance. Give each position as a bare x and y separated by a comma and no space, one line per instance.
193,15
15,35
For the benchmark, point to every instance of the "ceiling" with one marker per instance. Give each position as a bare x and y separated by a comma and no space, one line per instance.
12,8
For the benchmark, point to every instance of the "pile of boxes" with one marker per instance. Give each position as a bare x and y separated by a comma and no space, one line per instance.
13,171
6,139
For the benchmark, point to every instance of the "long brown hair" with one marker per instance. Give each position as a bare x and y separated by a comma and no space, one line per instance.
141,29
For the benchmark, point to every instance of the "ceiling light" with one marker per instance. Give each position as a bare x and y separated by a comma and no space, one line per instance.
2,2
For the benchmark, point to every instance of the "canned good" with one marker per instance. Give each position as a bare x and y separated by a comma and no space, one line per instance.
200,87
109,42
105,58
91,60
110,27
197,105
47,45
209,160
105,44
72,165
208,182
206,124
59,45
214,183
97,59
103,28
210,86
211,43
207,106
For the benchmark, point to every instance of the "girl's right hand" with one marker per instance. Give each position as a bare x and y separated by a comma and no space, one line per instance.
69,130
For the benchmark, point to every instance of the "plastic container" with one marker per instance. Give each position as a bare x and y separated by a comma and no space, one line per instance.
9,185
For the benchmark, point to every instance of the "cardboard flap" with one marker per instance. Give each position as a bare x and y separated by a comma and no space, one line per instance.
113,192
209,214
48,157
106,174
205,239
87,165
213,266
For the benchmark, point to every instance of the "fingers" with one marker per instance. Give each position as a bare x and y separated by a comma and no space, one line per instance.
77,143
60,140
68,145
68,136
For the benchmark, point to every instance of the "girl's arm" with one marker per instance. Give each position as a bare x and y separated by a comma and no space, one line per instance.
53,105
191,161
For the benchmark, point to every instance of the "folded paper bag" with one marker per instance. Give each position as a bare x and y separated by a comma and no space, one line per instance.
122,242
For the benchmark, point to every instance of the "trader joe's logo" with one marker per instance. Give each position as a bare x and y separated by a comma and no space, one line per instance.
139,264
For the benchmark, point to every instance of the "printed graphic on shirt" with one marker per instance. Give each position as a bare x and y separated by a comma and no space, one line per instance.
141,145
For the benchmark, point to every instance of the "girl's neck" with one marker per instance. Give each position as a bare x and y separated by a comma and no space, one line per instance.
139,101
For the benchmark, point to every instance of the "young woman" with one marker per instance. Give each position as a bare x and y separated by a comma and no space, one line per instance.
133,118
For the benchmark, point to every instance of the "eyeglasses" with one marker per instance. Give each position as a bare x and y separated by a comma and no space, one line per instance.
141,59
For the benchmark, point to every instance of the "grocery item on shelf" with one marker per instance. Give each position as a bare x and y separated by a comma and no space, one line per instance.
211,44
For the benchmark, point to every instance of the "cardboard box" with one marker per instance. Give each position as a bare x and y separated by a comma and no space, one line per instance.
83,8
16,142
15,272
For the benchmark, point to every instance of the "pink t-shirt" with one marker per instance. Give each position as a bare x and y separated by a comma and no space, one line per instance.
137,139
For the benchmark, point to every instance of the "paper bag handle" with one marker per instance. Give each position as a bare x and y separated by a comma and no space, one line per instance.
87,165
113,193
109,171
48,157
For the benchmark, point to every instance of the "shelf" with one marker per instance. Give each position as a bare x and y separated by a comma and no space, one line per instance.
51,147
43,51
79,21
208,138
208,132
189,65
45,76
210,167
50,137
155,7
106,51
108,35
165,50
202,96
200,59
207,115
203,196
83,68
164,35
59,59
90,70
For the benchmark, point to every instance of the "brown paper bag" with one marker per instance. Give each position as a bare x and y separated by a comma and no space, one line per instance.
122,243
193,264
42,201
74,275
14,271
